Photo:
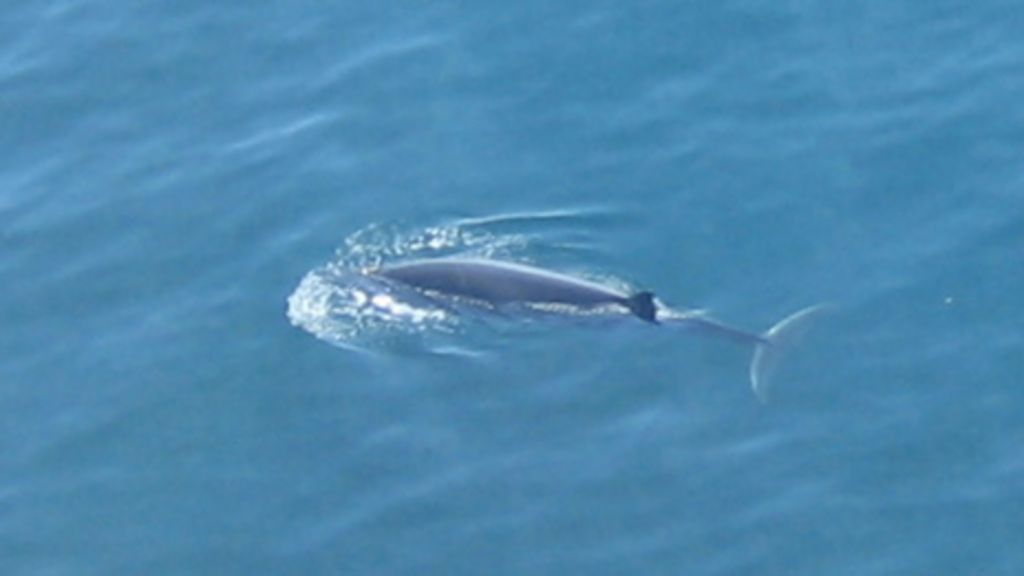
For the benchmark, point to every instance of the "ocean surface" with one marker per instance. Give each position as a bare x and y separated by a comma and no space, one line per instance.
196,379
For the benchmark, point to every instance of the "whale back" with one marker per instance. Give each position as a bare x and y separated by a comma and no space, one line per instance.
502,282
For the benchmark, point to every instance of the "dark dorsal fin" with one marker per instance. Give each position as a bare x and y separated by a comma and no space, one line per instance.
642,304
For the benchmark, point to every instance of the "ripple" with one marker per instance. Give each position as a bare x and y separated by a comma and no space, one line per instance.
380,53
280,132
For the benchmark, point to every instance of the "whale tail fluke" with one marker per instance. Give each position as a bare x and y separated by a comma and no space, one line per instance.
774,345
642,304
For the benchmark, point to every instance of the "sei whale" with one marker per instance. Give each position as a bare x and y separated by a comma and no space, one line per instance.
498,283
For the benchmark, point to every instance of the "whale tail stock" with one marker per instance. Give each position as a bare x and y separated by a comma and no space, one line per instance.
774,344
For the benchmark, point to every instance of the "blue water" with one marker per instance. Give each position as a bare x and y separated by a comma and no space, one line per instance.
187,187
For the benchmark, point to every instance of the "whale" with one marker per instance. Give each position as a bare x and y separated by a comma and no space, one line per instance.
499,283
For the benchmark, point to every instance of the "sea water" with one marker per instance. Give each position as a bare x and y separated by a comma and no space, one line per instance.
190,384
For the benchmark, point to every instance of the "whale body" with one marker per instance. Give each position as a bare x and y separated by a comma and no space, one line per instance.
497,282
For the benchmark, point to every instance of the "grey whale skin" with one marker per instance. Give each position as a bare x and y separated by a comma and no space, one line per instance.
497,282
